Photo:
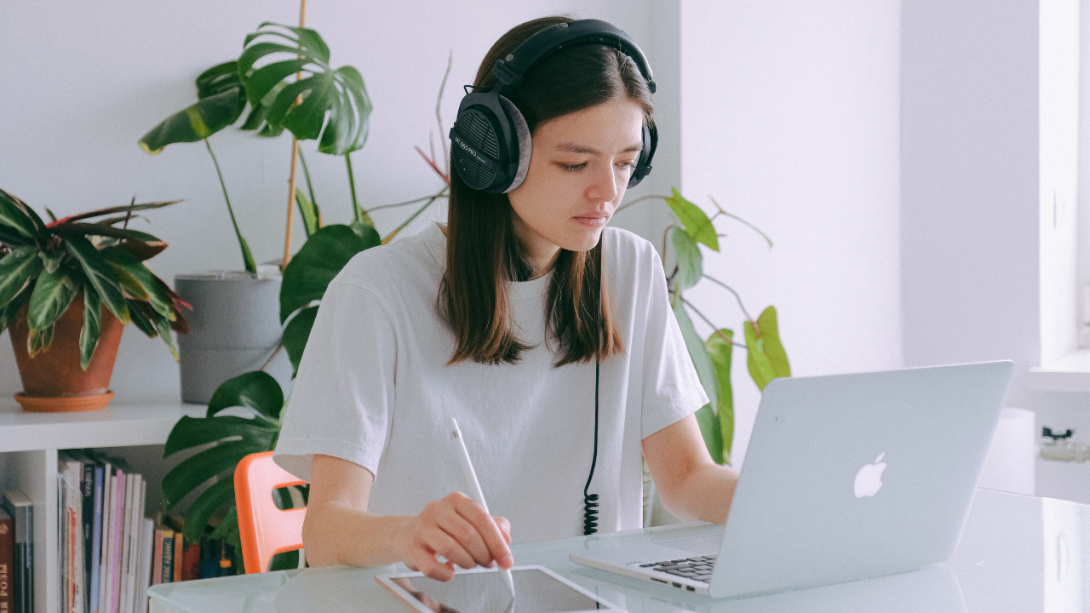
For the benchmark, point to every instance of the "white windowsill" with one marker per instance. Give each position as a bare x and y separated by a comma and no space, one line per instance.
1070,373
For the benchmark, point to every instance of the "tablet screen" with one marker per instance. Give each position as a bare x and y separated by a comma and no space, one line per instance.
486,592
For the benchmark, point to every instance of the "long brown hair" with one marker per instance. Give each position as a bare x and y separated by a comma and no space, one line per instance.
483,251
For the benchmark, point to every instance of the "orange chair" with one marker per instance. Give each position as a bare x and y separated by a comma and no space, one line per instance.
264,529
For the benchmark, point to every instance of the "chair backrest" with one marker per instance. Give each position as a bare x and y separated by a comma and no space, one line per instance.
264,529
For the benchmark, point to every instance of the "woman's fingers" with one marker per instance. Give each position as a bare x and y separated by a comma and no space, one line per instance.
488,534
458,529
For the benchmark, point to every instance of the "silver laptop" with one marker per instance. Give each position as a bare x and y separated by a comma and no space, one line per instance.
846,477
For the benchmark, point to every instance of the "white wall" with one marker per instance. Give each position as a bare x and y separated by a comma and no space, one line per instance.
84,81
790,119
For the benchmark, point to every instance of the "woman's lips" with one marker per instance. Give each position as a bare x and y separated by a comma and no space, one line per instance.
593,221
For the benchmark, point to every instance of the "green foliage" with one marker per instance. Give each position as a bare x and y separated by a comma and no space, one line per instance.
767,358
325,104
46,266
226,439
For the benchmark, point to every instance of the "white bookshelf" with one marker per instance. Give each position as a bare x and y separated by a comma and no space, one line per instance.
28,460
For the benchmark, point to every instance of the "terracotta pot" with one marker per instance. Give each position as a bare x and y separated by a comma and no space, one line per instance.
53,379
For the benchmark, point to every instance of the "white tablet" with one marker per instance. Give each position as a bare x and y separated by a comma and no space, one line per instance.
482,590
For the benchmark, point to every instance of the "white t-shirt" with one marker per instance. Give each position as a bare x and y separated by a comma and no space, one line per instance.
373,388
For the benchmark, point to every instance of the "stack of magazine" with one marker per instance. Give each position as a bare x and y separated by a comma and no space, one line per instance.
105,544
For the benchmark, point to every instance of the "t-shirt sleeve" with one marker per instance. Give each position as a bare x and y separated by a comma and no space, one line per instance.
671,388
345,384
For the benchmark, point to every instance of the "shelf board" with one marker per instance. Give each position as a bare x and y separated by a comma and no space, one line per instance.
123,423
1070,373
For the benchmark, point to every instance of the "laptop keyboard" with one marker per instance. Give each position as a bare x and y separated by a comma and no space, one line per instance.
697,568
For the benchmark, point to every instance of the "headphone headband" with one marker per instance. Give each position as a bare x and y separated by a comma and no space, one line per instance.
548,41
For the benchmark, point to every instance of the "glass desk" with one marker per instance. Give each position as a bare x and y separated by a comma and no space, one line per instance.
1017,554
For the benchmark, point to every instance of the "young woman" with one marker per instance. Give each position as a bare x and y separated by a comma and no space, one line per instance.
548,336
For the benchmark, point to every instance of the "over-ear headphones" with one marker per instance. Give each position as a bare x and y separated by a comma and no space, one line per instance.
490,139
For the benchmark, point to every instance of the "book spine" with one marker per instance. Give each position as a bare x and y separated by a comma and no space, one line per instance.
147,535
191,559
109,482
7,563
157,558
115,545
96,542
168,557
87,487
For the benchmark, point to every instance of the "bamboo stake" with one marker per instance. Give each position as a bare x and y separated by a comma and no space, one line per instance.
294,157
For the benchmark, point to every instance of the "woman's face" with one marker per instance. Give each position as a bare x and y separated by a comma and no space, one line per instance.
579,169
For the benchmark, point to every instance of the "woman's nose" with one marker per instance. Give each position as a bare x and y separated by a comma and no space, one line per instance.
604,186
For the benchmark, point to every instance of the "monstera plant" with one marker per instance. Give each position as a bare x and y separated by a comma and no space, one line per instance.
327,104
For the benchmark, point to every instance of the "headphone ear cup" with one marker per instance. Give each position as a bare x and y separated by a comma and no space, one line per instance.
481,148
643,165
522,142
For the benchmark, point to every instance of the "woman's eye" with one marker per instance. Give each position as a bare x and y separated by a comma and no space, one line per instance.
573,167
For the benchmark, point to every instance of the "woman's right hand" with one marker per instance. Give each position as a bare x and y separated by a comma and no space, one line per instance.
458,529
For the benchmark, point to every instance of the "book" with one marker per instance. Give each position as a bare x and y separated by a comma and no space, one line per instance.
191,560
132,553
70,474
20,507
88,465
157,556
147,533
113,566
7,562
96,540
168,556
109,481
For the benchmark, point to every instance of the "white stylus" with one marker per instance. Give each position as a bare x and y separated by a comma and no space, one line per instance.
475,489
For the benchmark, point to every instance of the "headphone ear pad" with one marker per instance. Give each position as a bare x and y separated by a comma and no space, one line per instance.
523,143
643,165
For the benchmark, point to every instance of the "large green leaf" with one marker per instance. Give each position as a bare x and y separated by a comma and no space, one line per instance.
100,274
705,370
256,390
697,225
720,345
690,261
767,358
194,471
9,311
52,294
321,258
197,121
17,270
19,218
218,495
92,325
151,288
192,432
325,103
711,432
296,334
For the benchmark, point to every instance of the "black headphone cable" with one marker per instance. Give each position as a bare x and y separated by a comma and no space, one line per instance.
590,501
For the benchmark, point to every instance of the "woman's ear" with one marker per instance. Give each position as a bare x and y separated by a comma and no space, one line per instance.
525,146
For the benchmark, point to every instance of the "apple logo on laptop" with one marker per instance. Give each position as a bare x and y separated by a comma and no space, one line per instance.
869,478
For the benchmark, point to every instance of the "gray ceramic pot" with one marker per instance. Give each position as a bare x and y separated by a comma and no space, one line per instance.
234,329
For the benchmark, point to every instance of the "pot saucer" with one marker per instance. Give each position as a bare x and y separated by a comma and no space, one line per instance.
68,404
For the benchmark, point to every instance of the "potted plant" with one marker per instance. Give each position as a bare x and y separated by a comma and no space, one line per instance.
235,318
66,289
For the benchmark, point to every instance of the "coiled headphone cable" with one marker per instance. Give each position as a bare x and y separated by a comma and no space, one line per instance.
590,501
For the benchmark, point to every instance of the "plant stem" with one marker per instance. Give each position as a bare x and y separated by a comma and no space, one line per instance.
397,204
306,175
641,199
246,258
431,199
291,204
356,210
732,216
731,290
709,322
